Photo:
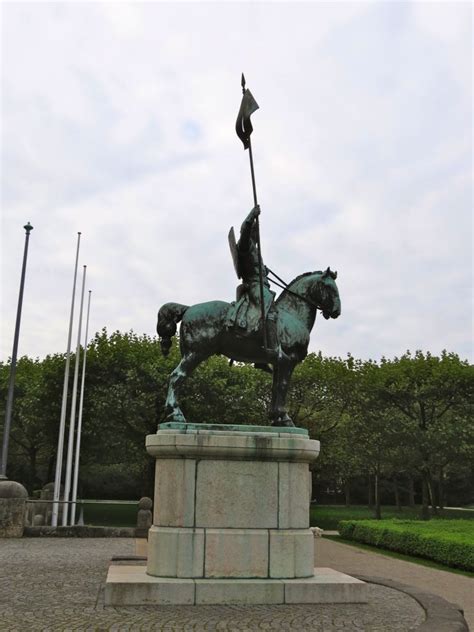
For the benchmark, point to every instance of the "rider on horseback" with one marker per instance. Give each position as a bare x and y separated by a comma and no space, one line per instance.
246,312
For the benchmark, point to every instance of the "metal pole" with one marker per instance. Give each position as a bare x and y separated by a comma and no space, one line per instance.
11,384
79,421
72,420
62,422
260,264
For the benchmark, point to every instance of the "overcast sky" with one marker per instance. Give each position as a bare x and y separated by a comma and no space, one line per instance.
118,121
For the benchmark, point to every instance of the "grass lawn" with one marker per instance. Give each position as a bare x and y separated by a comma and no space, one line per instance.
329,516
110,514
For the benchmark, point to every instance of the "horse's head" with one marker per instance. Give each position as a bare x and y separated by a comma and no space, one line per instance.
316,289
327,295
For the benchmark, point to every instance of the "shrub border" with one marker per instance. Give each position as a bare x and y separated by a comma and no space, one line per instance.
383,536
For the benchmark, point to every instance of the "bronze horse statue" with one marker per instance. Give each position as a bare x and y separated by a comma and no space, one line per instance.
205,332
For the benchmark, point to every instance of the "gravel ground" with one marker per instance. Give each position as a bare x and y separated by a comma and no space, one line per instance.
57,584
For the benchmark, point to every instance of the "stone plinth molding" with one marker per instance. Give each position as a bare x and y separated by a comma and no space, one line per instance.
231,503
231,522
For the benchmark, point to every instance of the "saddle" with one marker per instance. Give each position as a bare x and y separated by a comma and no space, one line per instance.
243,315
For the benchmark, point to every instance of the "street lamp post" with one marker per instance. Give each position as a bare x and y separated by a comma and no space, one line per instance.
11,385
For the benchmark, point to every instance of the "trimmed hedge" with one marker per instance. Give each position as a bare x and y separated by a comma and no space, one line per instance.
328,516
449,542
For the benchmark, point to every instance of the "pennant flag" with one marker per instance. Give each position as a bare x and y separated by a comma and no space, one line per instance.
243,126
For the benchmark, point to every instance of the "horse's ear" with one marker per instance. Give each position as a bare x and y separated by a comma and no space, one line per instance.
334,275
327,272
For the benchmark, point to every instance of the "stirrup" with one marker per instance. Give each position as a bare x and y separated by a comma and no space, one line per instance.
282,355
278,354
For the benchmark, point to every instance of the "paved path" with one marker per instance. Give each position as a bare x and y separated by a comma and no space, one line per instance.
57,584
347,558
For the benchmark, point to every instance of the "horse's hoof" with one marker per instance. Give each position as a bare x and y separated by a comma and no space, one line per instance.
283,421
176,417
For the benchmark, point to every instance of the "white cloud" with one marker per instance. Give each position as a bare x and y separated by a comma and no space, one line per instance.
118,121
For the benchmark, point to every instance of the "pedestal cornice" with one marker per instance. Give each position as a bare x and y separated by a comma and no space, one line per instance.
236,442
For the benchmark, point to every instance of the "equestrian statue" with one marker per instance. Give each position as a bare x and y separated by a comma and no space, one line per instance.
272,334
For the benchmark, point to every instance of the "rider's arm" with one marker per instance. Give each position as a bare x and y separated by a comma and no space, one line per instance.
246,229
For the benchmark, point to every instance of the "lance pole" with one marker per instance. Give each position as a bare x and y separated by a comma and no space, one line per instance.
257,225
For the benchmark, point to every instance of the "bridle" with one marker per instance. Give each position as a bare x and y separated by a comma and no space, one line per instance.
284,286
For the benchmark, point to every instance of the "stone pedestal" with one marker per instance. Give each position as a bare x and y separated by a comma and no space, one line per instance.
231,520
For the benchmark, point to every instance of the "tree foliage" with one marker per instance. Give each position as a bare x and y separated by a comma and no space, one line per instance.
381,425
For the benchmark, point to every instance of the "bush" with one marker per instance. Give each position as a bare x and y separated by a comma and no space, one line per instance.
115,481
329,516
114,514
449,542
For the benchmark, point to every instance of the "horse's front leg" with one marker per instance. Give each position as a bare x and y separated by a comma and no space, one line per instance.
281,380
187,365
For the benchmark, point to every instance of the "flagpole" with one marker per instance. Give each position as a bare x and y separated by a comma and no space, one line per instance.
72,420
11,384
62,421
79,421
257,226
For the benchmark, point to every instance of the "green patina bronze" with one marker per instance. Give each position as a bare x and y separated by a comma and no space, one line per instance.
185,428
255,328
235,329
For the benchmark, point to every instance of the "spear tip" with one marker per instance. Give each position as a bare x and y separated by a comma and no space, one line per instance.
243,81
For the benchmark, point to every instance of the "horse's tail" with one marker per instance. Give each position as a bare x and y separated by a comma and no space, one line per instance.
168,317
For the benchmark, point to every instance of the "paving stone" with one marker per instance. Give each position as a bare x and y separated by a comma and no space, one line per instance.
58,584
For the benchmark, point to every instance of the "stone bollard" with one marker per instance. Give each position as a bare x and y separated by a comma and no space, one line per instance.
45,508
144,517
38,520
13,498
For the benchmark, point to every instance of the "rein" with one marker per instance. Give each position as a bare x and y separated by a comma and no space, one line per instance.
284,286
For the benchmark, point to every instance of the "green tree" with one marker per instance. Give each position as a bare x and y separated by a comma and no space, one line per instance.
434,400
36,410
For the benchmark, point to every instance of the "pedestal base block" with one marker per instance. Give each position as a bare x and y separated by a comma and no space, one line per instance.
236,553
231,522
131,586
175,552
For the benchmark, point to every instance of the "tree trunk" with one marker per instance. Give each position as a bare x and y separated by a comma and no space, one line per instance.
425,511
32,452
370,502
431,495
149,482
396,491
411,491
441,489
347,491
51,466
378,512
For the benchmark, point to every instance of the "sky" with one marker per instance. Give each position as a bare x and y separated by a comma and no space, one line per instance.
118,121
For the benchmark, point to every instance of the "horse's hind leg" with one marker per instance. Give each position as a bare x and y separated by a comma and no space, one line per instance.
184,369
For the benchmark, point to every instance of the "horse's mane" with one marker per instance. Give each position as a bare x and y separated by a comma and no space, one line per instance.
300,276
